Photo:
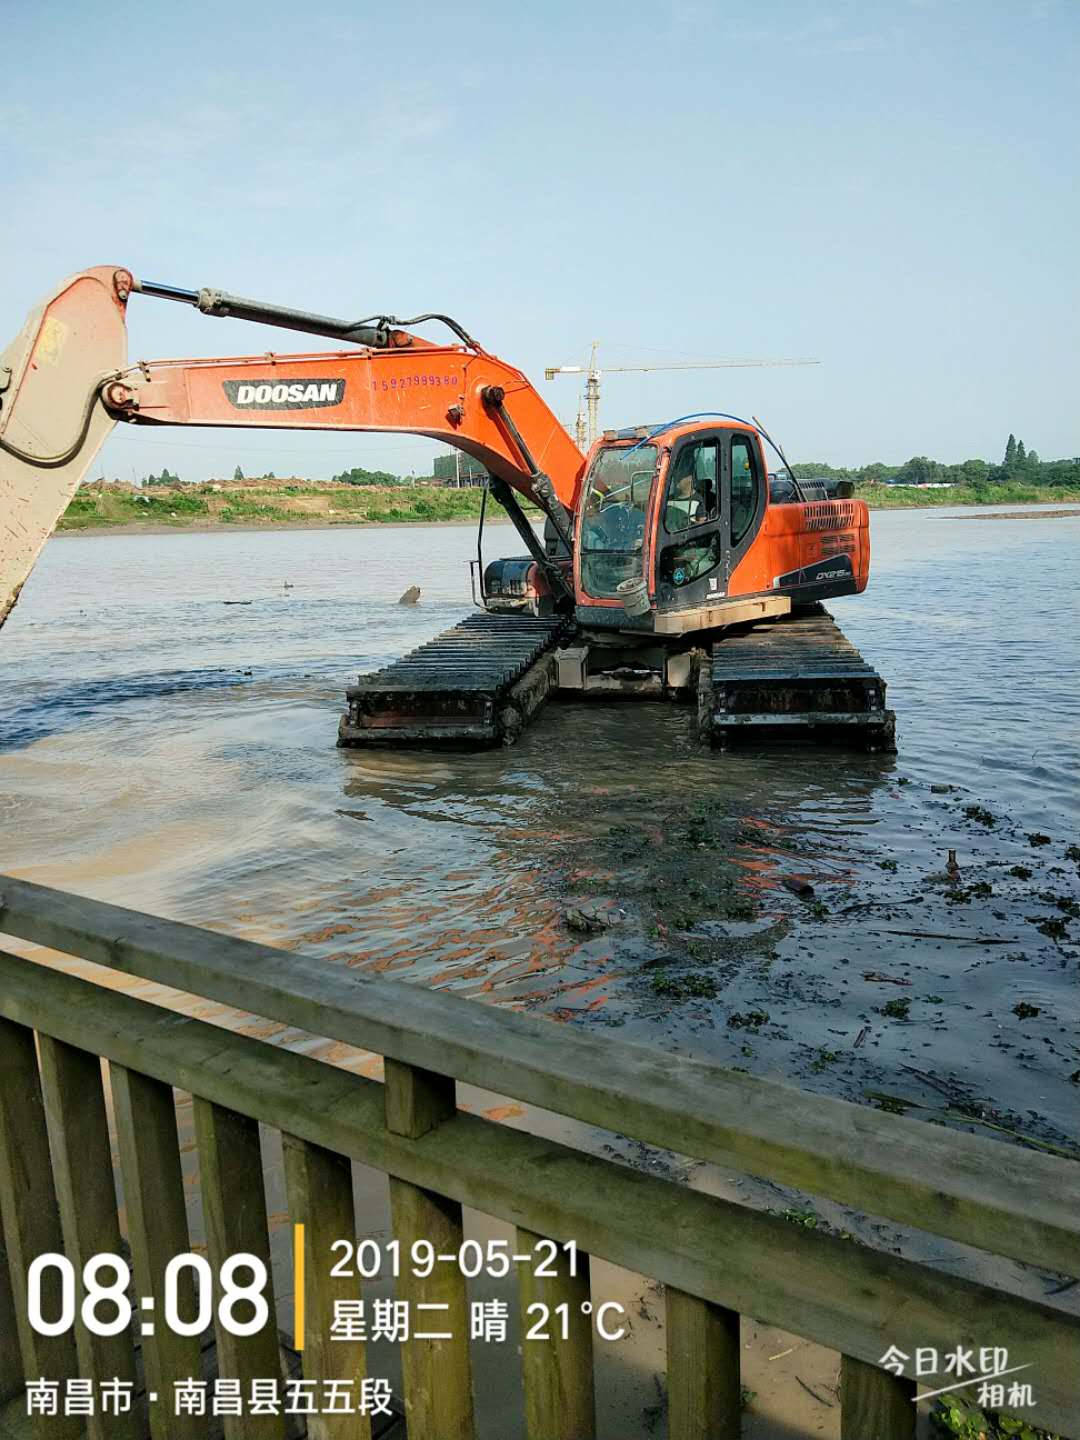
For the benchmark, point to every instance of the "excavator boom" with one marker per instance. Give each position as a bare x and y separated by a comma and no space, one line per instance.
65,382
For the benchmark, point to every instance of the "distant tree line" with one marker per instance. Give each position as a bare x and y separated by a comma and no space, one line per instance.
1018,466
359,476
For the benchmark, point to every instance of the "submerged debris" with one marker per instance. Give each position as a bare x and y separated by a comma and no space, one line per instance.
797,886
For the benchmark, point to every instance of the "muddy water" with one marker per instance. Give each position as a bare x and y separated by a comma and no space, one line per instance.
164,749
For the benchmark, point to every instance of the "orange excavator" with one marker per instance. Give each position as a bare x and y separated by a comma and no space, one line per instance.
667,552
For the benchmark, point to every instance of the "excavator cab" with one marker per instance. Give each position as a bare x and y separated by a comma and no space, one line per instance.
677,532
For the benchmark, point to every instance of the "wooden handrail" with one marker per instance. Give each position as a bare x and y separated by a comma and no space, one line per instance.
999,1197
837,1293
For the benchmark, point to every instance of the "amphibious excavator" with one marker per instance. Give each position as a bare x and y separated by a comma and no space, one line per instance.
670,563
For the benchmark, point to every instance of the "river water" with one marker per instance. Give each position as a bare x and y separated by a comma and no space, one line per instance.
166,750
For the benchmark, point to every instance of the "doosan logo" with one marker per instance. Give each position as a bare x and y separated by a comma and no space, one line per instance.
284,394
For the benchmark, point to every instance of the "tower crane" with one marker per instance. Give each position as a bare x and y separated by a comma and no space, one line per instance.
592,373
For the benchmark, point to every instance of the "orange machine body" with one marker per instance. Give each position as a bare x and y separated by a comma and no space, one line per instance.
673,523
689,512
421,389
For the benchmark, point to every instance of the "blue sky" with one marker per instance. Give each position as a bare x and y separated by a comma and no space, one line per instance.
891,187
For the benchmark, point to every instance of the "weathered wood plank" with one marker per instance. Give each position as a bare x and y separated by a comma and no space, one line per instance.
234,1203
31,1217
703,1385
873,1402
321,1200
437,1372
560,1396
11,1370
1012,1201
834,1292
83,1174
417,1100
145,1116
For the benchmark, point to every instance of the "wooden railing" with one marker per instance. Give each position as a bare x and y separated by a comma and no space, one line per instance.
716,1259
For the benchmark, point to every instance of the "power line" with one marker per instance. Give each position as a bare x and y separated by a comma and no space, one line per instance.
125,437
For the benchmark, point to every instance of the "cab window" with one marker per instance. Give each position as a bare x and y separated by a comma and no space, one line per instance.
744,486
693,487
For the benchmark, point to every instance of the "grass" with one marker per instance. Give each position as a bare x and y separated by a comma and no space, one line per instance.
418,504
281,505
896,497
115,508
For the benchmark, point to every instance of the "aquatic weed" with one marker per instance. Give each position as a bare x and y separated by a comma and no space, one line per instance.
748,1020
685,987
896,1009
980,815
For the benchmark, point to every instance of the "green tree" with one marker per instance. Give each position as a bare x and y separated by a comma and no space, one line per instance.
975,472
1010,452
1021,453
238,474
359,476
874,473
919,470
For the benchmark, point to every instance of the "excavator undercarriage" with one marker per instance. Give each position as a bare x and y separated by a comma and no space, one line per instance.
788,680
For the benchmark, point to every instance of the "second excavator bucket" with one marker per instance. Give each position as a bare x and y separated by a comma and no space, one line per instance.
52,418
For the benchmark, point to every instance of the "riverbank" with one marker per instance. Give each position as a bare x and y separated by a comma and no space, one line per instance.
213,507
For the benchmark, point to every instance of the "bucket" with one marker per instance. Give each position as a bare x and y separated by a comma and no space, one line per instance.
634,595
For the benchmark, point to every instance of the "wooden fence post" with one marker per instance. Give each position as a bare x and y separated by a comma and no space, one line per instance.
703,1373
875,1402
157,1230
31,1217
234,1203
438,1373
83,1172
560,1399
321,1200
12,1378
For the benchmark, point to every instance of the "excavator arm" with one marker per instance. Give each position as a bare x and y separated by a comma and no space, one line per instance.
65,382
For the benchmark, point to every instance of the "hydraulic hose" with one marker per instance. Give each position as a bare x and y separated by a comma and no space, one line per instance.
55,462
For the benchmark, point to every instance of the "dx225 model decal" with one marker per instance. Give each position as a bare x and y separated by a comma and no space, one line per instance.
822,572
284,394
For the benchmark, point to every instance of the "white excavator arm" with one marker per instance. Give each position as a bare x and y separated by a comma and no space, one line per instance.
51,424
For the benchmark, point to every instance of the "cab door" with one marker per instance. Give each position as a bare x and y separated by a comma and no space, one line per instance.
743,497
690,527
